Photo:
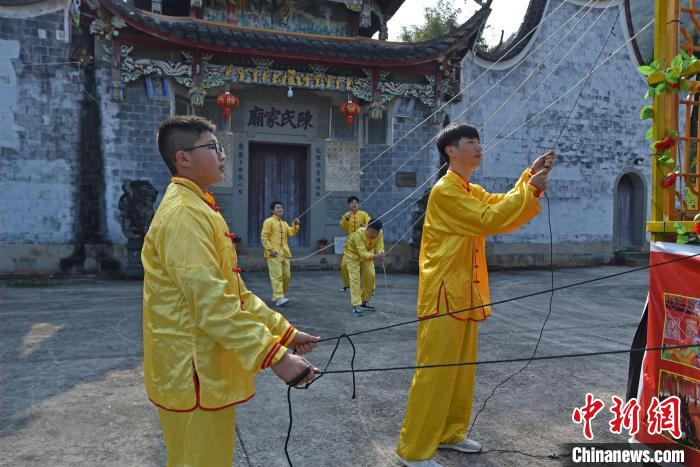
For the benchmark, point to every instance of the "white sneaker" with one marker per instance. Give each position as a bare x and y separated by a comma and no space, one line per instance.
281,301
426,463
466,445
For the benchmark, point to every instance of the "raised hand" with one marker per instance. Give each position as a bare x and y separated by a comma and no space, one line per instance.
539,180
545,161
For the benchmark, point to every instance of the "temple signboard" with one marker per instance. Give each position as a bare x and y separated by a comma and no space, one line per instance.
289,119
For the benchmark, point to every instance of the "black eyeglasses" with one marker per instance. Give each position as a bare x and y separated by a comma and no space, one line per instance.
216,146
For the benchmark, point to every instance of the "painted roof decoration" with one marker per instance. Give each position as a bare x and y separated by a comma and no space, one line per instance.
227,38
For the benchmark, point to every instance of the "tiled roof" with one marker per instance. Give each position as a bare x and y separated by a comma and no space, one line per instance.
207,35
11,3
533,16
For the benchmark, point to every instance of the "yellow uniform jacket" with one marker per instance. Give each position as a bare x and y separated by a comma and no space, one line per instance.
452,261
274,235
360,247
205,336
357,219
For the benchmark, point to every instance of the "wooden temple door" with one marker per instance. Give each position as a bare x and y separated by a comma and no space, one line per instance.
277,172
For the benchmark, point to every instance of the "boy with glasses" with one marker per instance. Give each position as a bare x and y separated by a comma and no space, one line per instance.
205,335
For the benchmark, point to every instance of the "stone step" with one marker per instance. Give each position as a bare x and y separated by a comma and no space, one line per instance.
631,258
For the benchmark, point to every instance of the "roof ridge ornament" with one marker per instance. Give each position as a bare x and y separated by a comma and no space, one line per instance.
262,63
354,5
106,24
318,69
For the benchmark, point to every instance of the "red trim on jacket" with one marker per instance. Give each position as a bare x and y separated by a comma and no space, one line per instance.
286,335
198,404
243,401
447,306
270,355
538,192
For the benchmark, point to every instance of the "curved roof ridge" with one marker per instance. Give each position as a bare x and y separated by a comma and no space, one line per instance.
531,20
208,35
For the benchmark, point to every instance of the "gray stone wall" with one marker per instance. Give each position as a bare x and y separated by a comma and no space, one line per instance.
40,127
378,198
601,141
40,97
129,146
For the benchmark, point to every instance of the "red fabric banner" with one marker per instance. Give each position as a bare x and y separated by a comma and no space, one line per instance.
673,319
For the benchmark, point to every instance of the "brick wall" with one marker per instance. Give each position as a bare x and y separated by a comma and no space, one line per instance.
601,140
377,199
39,132
128,142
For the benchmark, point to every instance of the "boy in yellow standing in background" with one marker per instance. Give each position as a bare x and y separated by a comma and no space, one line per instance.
360,251
350,222
275,233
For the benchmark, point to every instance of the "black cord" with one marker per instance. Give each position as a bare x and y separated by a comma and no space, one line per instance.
308,385
513,299
513,360
539,338
553,456
289,427
529,360
551,234
352,365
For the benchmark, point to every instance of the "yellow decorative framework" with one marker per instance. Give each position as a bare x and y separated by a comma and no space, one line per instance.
673,31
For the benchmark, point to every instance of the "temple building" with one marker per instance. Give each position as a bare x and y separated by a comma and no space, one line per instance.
309,108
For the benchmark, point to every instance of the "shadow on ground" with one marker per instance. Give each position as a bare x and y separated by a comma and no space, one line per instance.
71,383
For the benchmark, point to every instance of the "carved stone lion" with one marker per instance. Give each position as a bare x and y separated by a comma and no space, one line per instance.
136,207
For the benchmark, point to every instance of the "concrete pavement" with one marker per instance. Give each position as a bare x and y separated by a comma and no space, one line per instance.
71,381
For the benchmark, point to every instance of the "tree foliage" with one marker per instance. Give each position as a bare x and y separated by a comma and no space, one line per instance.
438,21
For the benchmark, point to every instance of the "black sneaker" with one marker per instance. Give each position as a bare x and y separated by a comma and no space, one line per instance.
367,307
345,289
357,311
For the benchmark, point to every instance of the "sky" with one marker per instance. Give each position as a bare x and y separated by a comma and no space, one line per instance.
506,15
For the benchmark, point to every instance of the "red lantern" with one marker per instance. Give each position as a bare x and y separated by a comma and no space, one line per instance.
227,102
349,110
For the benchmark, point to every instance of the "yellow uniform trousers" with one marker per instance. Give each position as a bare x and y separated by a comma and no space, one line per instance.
200,438
362,280
344,273
280,275
440,399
